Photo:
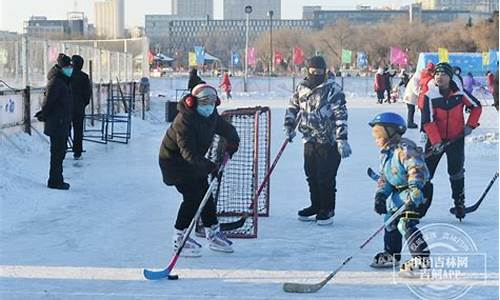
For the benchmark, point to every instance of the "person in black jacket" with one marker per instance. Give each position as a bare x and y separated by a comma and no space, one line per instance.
183,164
194,79
57,109
81,89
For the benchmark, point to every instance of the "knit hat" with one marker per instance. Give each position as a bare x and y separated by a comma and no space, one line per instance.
63,60
205,93
317,62
444,67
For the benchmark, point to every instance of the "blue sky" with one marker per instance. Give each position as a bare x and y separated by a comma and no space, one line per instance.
14,12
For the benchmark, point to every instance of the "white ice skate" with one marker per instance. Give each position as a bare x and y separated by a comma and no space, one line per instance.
218,240
416,267
191,249
384,260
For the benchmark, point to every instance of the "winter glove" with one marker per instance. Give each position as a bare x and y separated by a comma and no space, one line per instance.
231,149
437,148
289,133
39,116
468,130
344,148
380,204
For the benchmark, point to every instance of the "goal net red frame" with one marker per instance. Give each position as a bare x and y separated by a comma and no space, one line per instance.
244,173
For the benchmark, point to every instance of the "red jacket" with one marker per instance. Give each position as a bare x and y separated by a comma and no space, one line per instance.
379,84
443,118
491,81
226,84
425,77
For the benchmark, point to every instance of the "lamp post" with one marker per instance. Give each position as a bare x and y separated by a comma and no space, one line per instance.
248,11
270,14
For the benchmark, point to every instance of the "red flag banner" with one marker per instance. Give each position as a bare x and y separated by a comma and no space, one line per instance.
278,57
298,56
151,56
399,56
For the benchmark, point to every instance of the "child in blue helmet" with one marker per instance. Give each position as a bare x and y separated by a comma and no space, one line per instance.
403,176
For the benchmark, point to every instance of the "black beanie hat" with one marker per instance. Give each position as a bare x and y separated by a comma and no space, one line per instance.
444,67
317,62
63,60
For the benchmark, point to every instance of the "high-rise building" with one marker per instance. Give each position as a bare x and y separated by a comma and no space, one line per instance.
75,26
488,6
235,9
193,8
110,19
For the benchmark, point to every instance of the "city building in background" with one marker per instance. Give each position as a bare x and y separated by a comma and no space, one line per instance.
308,11
219,36
110,19
193,8
235,9
75,26
488,6
413,13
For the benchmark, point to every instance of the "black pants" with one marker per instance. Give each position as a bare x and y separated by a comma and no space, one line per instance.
411,113
455,158
78,134
192,194
388,91
57,154
393,239
321,162
380,96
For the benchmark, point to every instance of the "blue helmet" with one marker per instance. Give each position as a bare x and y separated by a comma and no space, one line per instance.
390,119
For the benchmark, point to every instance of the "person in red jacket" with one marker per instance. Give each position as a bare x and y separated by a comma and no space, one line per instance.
426,75
226,85
490,80
443,123
379,85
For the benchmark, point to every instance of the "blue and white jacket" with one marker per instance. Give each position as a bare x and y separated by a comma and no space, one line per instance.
403,174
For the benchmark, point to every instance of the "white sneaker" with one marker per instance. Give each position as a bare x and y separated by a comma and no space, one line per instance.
191,248
218,240
419,266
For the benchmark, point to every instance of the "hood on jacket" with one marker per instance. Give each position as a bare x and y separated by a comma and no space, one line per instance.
77,62
53,72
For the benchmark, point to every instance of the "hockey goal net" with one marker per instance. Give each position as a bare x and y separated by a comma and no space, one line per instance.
235,196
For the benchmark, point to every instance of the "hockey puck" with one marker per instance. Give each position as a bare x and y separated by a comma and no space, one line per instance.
173,277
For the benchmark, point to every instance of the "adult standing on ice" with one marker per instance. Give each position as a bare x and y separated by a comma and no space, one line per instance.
57,111
412,91
323,124
183,164
443,123
403,175
379,85
81,90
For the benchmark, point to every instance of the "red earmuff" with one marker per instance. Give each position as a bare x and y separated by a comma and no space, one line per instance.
190,101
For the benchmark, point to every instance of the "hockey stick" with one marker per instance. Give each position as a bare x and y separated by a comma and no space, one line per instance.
291,287
165,273
474,207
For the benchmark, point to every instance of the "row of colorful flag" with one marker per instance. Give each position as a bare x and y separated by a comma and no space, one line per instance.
398,57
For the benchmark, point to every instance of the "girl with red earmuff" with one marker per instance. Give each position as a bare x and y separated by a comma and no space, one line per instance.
183,164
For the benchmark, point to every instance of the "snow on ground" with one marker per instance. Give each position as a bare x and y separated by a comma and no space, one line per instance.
93,241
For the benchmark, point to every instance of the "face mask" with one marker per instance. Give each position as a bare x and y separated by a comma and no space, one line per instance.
205,110
315,80
67,71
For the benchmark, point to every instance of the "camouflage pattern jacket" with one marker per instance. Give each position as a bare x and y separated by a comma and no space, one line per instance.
323,112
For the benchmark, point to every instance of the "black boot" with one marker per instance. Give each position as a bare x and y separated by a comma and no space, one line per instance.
308,213
58,186
460,207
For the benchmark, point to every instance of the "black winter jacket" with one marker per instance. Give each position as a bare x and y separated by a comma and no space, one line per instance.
80,87
57,106
183,149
